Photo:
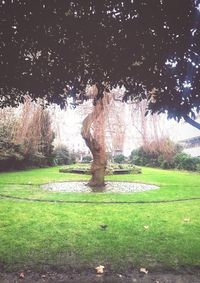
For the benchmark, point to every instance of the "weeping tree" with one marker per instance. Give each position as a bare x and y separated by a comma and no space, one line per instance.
55,49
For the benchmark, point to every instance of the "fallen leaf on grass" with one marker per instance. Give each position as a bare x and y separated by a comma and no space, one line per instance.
143,270
21,275
103,226
100,269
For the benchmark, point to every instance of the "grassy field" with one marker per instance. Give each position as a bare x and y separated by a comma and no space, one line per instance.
161,235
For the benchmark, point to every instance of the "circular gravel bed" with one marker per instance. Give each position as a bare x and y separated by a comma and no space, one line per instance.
111,187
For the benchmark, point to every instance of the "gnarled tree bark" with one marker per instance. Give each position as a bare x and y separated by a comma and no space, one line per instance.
94,135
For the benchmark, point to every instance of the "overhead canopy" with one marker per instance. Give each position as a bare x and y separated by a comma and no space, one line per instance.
52,49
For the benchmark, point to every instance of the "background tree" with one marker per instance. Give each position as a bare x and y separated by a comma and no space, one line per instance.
11,152
35,134
150,127
26,137
156,155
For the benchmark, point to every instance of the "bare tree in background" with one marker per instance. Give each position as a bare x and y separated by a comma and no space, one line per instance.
149,127
154,139
34,131
116,127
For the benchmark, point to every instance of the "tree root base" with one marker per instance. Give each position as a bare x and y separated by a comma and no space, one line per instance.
97,187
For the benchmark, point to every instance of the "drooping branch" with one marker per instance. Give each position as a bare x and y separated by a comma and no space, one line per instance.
192,122
116,125
87,124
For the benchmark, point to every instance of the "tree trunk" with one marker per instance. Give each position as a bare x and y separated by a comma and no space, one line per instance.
94,135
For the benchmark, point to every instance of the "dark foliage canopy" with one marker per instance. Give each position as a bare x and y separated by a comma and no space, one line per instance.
54,48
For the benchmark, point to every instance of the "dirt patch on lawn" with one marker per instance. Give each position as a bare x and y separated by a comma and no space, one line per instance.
89,277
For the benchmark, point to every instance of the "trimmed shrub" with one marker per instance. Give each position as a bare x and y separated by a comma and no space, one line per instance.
186,162
120,158
62,156
110,169
86,159
198,167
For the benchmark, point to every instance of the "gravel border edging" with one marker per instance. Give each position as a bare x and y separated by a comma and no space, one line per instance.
111,187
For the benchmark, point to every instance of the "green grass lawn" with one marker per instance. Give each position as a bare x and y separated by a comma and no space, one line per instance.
69,235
